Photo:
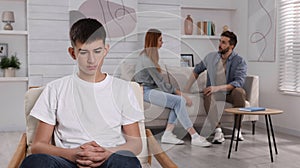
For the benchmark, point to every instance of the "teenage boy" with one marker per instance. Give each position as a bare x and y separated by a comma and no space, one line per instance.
88,114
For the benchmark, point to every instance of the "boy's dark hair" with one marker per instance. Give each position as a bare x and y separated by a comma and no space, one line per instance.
87,30
231,36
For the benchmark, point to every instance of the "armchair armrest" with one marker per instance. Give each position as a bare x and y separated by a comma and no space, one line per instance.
19,154
158,153
251,87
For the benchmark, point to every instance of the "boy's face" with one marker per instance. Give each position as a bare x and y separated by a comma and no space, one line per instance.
89,57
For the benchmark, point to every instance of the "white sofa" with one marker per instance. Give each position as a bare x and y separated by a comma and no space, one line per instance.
156,117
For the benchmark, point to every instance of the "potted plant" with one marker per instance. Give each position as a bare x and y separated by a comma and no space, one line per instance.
9,65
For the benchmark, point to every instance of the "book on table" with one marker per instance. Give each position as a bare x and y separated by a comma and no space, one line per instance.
252,109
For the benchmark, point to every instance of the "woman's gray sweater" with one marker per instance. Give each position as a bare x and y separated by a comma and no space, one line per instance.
146,74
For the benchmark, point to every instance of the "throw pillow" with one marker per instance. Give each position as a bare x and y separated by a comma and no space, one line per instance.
179,76
127,71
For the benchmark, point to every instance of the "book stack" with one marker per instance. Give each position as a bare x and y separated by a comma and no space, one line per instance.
206,28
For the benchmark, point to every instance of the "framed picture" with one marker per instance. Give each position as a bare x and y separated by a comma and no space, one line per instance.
187,60
3,49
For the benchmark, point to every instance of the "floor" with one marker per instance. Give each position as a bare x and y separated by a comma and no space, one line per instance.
9,142
252,153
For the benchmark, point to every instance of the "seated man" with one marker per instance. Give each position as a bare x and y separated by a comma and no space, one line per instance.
226,74
89,114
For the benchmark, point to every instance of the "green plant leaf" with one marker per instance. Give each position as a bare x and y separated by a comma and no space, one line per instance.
12,61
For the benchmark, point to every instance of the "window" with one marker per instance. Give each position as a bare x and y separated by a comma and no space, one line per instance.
289,46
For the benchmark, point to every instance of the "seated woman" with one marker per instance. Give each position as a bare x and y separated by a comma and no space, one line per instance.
148,74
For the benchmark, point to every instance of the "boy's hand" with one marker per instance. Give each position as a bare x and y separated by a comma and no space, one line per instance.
91,155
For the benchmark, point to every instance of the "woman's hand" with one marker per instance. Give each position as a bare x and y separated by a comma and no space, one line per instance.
188,100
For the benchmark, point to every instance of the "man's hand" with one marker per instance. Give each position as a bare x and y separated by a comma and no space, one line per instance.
211,89
221,88
91,155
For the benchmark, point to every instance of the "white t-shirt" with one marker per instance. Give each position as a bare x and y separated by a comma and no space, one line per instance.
82,111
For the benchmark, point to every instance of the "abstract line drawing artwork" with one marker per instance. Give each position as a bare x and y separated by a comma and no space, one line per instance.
261,30
118,16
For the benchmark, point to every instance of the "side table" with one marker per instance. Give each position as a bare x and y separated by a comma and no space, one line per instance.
267,113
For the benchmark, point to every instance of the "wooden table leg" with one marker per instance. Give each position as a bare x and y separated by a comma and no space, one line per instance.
269,139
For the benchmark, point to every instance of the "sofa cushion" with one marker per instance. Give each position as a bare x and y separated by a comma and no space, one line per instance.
127,71
179,77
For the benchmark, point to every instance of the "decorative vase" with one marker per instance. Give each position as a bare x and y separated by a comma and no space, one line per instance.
225,28
188,25
10,72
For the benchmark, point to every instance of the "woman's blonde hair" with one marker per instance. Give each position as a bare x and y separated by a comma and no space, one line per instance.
151,44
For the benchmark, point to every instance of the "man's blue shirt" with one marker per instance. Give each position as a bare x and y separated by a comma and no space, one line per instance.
236,69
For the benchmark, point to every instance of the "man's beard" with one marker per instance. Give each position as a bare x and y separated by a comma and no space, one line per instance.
224,51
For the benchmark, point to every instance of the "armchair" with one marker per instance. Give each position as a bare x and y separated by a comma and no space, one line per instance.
150,145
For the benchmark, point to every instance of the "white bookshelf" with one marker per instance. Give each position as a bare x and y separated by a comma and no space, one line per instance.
219,12
204,37
12,89
13,32
13,79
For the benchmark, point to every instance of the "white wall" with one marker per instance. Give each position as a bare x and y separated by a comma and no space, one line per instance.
12,105
270,97
48,26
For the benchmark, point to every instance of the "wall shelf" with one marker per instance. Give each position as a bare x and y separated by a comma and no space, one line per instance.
200,37
13,32
208,8
13,79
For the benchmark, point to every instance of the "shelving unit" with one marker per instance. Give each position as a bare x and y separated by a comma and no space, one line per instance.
17,39
12,89
204,37
220,13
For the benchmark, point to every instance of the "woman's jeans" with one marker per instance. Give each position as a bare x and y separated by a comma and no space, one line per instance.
176,103
124,159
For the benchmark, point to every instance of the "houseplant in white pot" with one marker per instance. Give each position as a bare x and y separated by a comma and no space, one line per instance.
9,65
